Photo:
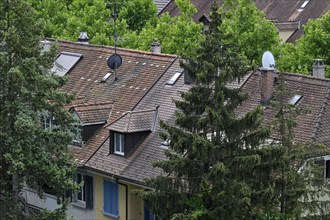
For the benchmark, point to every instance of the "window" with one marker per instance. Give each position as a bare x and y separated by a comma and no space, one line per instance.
295,99
77,137
325,165
301,8
64,62
84,196
81,194
149,215
110,199
47,122
174,78
119,143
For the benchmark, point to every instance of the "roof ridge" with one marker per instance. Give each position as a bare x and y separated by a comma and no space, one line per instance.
306,76
111,47
321,114
92,104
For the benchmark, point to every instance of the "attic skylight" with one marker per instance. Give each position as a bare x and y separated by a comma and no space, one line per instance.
64,62
105,77
295,99
302,7
174,78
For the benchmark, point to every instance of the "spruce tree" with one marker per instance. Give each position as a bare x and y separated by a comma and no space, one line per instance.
212,152
30,155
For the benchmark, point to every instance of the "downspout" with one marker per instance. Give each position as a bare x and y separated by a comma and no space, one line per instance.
126,197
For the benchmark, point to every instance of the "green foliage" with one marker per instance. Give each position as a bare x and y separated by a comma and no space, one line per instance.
250,29
177,35
212,153
29,155
314,44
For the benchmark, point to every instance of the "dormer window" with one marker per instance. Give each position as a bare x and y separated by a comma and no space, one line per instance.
77,137
47,122
119,144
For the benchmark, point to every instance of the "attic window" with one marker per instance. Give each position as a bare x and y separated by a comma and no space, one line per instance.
302,7
174,78
295,99
64,62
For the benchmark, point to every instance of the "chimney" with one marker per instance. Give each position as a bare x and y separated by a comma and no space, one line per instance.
267,81
318,68
155,47
46,45
83,38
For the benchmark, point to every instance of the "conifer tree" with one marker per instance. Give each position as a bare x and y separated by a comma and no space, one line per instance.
30,155
212,152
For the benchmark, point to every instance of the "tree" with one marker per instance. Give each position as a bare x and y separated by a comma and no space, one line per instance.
314,44
212,153
218,164
30,155
250,30
177,35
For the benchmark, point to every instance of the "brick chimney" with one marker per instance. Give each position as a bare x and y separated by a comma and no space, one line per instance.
83,38
267,81
155,47
318,68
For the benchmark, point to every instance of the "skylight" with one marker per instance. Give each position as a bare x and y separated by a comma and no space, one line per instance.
105,77
295,99
174,78
303,5
64,62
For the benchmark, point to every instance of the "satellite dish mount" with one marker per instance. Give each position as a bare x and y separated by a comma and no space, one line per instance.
115,60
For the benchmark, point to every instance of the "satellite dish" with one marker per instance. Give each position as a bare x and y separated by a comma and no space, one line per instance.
114,61
268,61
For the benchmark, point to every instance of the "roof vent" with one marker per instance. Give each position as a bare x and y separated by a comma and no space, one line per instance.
318,68
155,47
83,38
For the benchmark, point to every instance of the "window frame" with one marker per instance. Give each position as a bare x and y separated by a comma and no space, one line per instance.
75,195
121,137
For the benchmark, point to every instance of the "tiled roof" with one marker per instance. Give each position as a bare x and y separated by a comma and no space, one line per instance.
138,165
138,72
135,121
279,11
93,112
315,94
161,4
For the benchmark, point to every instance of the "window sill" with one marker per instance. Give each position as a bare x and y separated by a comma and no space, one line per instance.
119,153
111,215
79,204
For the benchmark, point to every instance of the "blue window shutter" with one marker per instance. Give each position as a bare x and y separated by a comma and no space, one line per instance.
146,213
111,198
114,198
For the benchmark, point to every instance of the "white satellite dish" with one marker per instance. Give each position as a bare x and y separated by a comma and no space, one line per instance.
268,61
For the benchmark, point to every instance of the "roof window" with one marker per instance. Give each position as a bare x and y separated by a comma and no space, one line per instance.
105,77
64,62
295,99
302,7
174,78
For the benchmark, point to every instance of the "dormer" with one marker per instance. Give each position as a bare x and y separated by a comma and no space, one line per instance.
89,118
130,129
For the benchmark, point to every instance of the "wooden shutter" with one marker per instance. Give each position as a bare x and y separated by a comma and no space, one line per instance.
111,198
89,191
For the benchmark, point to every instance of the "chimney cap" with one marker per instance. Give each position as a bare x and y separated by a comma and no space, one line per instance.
318,61
83,37
155,43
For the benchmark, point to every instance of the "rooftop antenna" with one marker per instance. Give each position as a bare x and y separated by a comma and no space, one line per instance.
115,60
268,61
